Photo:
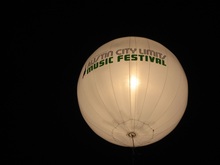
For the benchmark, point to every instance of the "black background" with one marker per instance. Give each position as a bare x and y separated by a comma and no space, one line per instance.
47,45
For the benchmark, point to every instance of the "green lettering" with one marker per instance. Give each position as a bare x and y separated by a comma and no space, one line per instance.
158,61
110,60
163,63
96,65
127,57
141,57
101,63
134,57
90,69
119,58
146,58
151,58
106,61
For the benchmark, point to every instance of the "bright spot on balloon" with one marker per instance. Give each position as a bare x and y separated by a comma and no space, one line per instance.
133,82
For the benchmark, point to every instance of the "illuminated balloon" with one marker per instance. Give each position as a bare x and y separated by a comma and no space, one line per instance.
132,91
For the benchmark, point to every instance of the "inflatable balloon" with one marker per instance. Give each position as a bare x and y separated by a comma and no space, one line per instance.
132,91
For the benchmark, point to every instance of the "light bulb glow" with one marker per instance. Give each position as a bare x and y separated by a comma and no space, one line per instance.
134,82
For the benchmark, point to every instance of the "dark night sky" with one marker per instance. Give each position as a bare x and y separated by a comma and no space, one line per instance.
48,43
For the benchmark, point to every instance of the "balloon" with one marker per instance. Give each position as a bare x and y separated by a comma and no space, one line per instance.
132,91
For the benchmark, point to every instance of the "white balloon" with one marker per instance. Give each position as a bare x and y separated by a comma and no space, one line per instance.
132,91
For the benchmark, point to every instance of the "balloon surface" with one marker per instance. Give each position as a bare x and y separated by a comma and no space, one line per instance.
132,91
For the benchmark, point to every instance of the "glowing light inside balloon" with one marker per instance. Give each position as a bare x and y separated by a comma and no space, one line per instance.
134,82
